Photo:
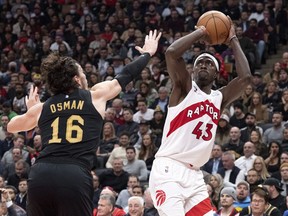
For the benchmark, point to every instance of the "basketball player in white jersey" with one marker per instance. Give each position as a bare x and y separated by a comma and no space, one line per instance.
177,185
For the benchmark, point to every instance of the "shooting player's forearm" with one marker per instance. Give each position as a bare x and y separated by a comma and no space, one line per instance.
242,66
178,47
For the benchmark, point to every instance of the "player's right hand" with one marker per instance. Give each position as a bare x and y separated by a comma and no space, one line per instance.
33,97
151,43
205,37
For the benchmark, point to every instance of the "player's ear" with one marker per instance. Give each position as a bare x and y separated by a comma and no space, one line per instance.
77,79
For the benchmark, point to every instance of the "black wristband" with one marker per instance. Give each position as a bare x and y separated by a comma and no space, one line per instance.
132,70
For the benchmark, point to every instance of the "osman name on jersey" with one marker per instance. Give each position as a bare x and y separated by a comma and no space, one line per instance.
67,105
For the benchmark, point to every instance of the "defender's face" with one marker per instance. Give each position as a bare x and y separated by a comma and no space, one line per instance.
82,78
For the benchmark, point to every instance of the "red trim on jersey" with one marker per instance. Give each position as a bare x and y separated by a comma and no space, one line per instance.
202,108
201,208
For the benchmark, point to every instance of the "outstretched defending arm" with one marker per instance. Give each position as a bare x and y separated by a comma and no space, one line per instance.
110,89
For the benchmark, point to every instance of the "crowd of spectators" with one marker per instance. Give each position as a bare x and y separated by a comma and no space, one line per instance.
251,143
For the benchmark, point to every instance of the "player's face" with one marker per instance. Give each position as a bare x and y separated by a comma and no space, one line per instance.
82,78
205,70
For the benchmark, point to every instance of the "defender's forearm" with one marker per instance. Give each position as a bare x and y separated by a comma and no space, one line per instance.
132,70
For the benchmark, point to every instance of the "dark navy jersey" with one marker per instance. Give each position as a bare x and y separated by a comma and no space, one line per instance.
70,127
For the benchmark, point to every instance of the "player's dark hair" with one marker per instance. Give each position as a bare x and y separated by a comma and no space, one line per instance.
58,72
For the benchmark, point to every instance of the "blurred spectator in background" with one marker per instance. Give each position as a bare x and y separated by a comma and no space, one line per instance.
223,129
215,162
144,112
258,109
246,97
235,143
116,177
256,34
280,15
238,118
274,74
274,160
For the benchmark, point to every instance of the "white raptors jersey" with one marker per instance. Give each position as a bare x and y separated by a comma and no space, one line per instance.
190,127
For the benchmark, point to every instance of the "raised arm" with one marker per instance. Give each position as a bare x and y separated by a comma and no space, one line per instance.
181,79
27,121
235,88
110,89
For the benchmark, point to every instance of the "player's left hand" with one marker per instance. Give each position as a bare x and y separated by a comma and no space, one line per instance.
33,97
151,43
205,39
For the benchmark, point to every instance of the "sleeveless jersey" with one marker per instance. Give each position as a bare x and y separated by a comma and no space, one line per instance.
70,128
190,127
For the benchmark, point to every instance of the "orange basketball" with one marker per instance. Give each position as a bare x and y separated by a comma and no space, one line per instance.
217,25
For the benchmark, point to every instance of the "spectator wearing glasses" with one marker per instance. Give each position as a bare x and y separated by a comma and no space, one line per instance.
260,205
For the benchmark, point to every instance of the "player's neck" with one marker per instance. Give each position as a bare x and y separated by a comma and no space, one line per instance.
205,88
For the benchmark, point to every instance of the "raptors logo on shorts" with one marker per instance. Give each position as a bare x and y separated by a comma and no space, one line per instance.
160,197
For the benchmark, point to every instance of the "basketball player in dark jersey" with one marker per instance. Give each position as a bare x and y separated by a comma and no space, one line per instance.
70,121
